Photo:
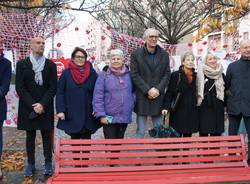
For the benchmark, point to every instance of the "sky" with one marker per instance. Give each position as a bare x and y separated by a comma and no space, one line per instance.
69,38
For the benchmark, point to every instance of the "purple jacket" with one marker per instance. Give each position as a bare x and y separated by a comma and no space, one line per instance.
113,96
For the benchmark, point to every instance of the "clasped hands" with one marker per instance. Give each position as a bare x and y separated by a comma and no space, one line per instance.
153,93
38,108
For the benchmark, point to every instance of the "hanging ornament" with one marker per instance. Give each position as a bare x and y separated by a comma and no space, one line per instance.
224,46
76,29
14,45
57,30
190,44
108,27
103,37
87,31
214,49
2,40
59,44
204,43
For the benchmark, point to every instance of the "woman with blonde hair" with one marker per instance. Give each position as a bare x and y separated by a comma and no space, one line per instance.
211,96
183,109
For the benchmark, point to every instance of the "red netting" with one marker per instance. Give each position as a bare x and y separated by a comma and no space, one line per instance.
128,44
16,30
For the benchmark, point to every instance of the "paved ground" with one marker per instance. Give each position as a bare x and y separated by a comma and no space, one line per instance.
14,154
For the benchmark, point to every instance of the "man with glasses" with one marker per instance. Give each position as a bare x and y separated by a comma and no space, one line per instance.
150,72
36,81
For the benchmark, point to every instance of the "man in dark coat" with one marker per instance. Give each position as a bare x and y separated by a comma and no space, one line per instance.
5,76
238,85
36,81
150,73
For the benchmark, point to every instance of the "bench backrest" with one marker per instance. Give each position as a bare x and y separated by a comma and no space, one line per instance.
113,155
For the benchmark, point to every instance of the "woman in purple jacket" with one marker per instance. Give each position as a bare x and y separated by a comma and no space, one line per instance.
113,100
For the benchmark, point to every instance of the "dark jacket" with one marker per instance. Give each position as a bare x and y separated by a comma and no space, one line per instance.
211,111
30,93
113,97
147,74
5,77
185,118
76,102
238,85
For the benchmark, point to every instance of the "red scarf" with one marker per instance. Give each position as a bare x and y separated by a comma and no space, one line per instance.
189,74
79,74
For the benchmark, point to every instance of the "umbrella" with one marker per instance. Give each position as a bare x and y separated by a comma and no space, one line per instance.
163,131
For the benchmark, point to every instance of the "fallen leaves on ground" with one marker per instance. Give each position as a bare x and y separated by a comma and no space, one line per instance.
28,180
13,161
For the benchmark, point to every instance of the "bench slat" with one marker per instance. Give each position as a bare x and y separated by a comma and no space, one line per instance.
165,176
145,141
148,154
151,168
150,161
149,146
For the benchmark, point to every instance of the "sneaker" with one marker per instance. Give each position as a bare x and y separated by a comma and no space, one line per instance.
48,171
29,170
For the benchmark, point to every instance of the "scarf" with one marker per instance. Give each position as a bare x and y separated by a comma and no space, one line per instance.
119,72
189,74
79,74
38,64
211,73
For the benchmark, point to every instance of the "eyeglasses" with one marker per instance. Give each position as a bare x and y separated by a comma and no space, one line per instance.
38,42
80,57
153,36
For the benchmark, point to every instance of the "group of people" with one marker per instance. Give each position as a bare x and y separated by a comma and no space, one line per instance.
86,101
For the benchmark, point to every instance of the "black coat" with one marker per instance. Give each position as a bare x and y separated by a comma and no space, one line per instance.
238,85
185,118
211,113
5,77
76,102
146,75
29,93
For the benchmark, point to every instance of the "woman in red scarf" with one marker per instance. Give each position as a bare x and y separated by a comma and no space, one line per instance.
74,97
184,117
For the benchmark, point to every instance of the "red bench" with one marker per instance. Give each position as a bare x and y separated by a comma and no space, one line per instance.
151,161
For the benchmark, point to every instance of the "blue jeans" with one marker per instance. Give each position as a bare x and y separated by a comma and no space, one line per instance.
141,122
234,124
1,139
242,129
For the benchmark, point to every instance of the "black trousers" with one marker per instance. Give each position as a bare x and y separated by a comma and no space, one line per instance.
85,135
47,145
114,130
212,134
234,124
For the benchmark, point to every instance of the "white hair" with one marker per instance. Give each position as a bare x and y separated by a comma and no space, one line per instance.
149,31
116,52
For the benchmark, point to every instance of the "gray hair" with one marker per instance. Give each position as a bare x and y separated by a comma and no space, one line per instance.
149,31
116,52
185,55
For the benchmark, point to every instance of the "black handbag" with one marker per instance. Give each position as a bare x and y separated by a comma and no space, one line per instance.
175,100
